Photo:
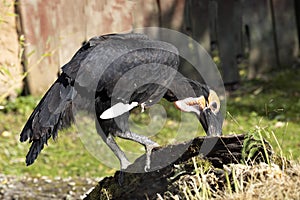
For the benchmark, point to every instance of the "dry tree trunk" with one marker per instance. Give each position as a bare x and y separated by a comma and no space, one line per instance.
217,151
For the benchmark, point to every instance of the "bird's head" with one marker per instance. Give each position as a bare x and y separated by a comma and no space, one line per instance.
207,109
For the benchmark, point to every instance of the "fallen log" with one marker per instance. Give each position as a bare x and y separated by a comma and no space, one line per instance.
216,151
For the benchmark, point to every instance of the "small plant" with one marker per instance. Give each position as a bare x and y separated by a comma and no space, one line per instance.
255,148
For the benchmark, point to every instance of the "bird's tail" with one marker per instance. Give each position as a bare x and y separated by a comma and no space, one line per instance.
54,112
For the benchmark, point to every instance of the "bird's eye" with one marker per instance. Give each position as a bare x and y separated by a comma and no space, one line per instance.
214,101
213,105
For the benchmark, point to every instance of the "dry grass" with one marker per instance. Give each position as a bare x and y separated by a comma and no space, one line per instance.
238,181
265,182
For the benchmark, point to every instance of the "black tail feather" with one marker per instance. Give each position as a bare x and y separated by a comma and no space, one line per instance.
35,148
53,113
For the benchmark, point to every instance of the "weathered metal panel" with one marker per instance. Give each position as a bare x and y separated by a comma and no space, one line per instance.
228,29
55,29
108,16
257,17
286,32
70,29
172,14
40,24
199,16
145,13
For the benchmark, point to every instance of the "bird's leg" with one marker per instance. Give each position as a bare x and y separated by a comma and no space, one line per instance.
111,143
143,107
148,155
149,144
124,162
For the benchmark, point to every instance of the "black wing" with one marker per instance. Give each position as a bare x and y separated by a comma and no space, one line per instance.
122,63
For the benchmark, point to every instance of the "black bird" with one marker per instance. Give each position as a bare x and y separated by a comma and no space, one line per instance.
110,75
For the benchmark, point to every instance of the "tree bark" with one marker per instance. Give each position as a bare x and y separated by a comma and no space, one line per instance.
217,151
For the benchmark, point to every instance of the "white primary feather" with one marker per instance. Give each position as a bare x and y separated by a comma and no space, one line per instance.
117,110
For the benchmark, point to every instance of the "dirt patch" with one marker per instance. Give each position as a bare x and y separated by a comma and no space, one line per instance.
23,188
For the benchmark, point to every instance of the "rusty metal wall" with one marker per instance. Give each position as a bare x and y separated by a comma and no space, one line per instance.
55,29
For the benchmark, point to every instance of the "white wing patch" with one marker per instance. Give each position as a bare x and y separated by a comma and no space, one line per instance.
117,110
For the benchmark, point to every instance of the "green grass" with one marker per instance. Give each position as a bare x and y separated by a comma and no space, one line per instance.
272,106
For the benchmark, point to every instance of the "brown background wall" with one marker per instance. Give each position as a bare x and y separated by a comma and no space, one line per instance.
54,30
263,31
10,64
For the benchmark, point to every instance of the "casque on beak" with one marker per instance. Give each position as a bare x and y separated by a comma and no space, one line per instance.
207,111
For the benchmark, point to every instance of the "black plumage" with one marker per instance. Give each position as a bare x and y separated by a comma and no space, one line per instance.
126,69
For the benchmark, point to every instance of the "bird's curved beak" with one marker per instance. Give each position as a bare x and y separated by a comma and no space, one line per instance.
211,122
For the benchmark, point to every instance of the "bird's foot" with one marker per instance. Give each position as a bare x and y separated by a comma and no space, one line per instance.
124,164
148,155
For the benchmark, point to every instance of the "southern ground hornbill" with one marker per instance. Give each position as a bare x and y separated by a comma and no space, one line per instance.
110,75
